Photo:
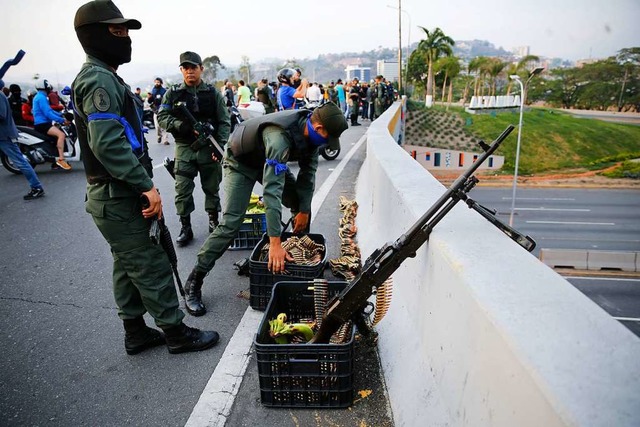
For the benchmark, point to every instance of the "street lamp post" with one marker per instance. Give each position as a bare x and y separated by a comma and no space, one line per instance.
400,42
516,77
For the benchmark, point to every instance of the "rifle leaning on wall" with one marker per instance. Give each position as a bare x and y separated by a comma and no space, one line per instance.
352,301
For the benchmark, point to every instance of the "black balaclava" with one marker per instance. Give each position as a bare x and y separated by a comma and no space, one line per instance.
97,41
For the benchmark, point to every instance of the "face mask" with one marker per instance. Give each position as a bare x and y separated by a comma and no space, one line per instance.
316,139
97,41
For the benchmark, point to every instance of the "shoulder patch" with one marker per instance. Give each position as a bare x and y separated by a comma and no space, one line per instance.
101,100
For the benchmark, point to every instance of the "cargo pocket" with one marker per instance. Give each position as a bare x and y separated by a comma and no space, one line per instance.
123,210
95,208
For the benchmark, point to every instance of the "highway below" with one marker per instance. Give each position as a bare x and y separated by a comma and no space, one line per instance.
602,219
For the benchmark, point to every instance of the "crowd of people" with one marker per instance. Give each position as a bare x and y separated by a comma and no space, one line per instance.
301,117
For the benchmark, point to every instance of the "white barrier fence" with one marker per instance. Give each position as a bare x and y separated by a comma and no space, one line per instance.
480,332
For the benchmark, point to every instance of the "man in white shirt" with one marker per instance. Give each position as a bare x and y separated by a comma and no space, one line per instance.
313,93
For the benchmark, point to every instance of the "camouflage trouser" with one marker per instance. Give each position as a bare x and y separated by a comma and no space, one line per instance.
188,164
142,276
237,189
379,107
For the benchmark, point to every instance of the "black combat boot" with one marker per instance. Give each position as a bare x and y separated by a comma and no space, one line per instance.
182,339
139,337
186,233
193,293
213,221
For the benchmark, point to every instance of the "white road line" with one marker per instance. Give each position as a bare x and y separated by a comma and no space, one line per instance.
553,209
215,402
541,198
582,239
627,319
571,223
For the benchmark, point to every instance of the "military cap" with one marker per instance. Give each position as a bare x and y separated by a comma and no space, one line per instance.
103,12
332,119
190,58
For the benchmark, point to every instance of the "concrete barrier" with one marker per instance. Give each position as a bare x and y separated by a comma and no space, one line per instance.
480,332
583,259
564,258
611,260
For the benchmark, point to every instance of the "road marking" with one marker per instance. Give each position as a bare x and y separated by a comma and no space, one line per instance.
553,209
215,402
570,223
628,319
615,279
581,239
542,198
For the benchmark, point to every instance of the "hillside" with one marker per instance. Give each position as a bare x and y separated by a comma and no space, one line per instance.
551,141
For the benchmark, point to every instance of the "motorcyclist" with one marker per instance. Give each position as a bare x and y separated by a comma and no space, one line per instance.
287,94
43,115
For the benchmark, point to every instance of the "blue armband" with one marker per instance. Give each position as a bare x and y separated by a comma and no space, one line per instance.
136,146
279,167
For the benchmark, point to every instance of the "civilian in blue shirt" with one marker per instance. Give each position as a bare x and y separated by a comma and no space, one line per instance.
44,115
287,95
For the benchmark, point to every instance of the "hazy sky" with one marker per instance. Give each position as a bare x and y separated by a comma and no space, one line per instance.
570,29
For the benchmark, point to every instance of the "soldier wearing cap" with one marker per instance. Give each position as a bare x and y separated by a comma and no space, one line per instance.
206,104
119,172
258,151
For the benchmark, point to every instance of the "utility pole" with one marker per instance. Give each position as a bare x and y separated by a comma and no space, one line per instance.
399,46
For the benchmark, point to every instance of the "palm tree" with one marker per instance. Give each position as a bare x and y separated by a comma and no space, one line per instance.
451,67
477,65
436,44
494,68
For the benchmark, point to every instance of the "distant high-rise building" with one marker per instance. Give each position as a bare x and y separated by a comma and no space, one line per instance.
389,69
362,73
521,51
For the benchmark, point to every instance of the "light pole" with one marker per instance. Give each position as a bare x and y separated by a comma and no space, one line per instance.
408,40
515,172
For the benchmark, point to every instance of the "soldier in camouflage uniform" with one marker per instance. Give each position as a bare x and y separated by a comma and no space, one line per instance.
206,104
119,172
258,151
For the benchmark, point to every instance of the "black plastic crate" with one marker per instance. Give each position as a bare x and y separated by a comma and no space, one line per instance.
302,375
261,280
250,232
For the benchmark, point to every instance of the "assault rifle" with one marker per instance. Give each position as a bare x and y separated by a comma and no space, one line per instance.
351,303
160,235
205,133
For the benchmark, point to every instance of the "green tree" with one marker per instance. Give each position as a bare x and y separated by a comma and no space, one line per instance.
629,58
211,66
245,69
417,70
436,44
450,66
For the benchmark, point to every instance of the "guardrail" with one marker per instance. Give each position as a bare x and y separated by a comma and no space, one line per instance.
587,259
479,331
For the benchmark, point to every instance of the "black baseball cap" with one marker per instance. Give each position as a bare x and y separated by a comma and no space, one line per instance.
332,119
103,12
190,58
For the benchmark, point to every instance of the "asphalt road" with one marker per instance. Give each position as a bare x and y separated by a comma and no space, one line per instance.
63,361
602,219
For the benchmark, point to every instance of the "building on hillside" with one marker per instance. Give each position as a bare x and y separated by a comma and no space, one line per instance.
389,69
521,51
362,73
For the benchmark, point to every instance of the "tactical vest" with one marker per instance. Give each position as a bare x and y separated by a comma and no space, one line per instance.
202,106
132,112
247,145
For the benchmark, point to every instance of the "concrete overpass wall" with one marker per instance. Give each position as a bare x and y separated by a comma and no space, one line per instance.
480,332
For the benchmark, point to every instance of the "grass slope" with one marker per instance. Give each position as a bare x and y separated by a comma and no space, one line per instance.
551,141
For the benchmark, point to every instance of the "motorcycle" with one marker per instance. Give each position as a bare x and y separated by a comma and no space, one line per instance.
38,149
324,151
147,119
